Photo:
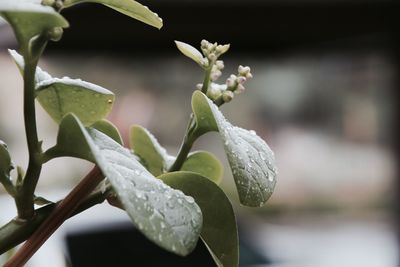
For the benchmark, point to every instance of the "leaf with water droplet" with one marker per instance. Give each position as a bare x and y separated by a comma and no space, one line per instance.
147,200
219,224
30,19
109,129
190,51
205,164
250,158
59,97
153,156
130,8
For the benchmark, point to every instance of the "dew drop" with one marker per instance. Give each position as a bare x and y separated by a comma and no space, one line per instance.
252,132
180,201
189,199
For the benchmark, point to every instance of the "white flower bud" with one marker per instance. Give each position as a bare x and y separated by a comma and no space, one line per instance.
241,80
215,75
227,96
204,43
221,49
199,86
212,57
230,83
219,64
243,70
249,75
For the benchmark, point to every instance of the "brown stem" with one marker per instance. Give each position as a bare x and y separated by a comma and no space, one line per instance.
60,213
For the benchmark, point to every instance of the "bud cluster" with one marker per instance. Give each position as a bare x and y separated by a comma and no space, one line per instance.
235,83
212,52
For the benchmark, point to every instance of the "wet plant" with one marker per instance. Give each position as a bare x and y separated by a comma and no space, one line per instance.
172,200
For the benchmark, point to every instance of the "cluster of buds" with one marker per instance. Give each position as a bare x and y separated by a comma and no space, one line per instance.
56,4
216,70
235,83
212,52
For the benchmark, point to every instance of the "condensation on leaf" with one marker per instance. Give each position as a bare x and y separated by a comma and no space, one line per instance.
219,224
164,215
251,160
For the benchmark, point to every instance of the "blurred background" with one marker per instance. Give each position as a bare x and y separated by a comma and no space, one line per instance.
324,96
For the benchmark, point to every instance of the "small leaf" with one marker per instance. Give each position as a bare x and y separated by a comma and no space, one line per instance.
164,215
219,224
109,129
190,51
30,19
251,160
59,97
88,101
146,146
130,8
205,164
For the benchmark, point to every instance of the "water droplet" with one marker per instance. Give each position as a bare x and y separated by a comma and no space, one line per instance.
160,237
173,248
189,199
140,226
180,201
162,225
252,132
109,101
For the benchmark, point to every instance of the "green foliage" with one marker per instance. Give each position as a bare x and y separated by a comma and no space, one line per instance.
130,8
205,164
172,200
251,160
219,231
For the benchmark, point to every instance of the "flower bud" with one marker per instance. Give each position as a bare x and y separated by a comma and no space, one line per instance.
249,75
212,57
219,64
227,96
243,70
213,91
215,75
221,49
199,86
204,43
55,34
241,80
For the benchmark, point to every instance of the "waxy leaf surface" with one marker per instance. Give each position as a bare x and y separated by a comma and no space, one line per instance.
251,160
164,215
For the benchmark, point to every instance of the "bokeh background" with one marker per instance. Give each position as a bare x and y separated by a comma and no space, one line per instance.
324,96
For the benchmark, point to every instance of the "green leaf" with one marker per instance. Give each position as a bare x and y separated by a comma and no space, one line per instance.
205,164
59,97
190,51
109,129
30,19
151,153
130,8
251,160
6,165
164,215
219,224
88,101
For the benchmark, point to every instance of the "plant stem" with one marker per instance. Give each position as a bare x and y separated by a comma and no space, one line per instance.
25,192
206,82
187,143
15,232
60,213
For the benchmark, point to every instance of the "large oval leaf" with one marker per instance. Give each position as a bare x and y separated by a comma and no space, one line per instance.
165,215
29,19
251,160
219,224
146,146
59,97
130,8
205,164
